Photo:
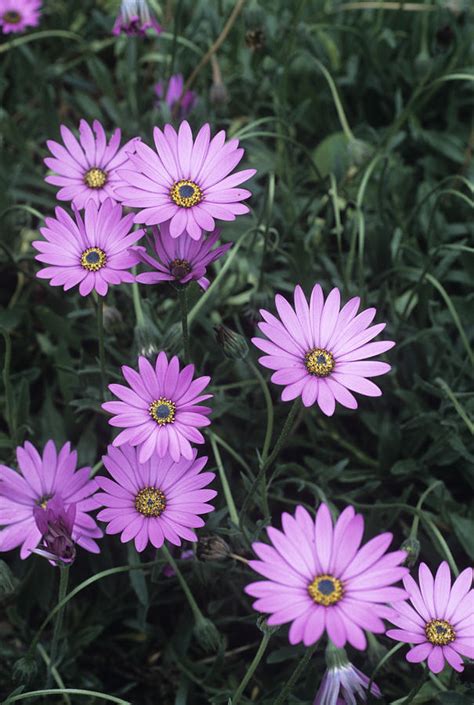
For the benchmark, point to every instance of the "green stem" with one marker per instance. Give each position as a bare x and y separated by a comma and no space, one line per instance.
198,615
66,691
183,302
416,518
225,485
251,669
9,403
411,695
269,405
100,335
288,687
63,583
174,43
137,303
383,661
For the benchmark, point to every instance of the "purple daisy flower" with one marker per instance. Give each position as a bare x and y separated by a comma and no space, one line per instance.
186,181
180,259
440,621
319,579
319,351
93,252
346,680
88,168
17,15
155,500
134,19
162,411
39,480
173,94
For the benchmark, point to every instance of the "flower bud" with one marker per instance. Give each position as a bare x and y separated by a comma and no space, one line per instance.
113,321
218,95
56,523
412,547
212,548
255,39
207,635
7,580
25,669
234,346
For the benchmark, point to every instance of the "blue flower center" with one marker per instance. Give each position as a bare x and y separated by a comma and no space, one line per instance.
186,191
162,411
326,587
93,257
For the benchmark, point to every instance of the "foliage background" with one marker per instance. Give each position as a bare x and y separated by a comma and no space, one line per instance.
379,206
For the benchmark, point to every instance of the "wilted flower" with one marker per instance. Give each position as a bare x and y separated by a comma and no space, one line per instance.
212,548
56,524
40,480
319,579
180,259
255,39
186,181
88,168
342,678
173,94
155,500
162,411
440,621
93,252
320,351
134,19
17,15
234,346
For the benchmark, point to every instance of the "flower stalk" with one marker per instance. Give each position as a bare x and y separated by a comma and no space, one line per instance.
58,623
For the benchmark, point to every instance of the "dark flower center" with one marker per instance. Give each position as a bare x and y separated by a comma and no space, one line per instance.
179,268
162,411
186,194
95,178
439,632
12,17
319,362
93,259
326,590
150,501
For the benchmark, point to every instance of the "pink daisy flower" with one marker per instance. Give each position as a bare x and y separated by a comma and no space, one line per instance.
180,259
318,577
161,411
173,94
156,500
319,351
440,620
17,15
93,252
134,19
88,168
186,181
38,481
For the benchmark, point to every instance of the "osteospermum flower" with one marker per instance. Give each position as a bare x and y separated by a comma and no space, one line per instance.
162,411
93,252
318,577
156,500
87,168
17,15
134,19
320,351
56,524
440,619
180,259
186,181
39,480
173,94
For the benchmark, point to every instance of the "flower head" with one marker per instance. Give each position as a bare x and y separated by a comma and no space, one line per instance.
180,259
93,252
56,524
155,500
88,168
173,94
343,678
134,19
439,620
186,181
41,479
319,351
319,579
162,411
17,15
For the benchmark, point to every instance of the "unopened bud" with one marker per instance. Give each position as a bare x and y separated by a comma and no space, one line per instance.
25,669
255,39
113,320
412,548
207,635
146,341
218,94
234,346
212,548
7,580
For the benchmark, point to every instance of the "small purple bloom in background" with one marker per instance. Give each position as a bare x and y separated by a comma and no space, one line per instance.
134,19
87,168
162,411
440,619
187,555
17,15
39,480
318,577
344,679
185,181
153,501
173,94
180,259
93,252
56,524
319,351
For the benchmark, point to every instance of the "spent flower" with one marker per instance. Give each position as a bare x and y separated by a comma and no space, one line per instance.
134,19
342,681
56,524
171,94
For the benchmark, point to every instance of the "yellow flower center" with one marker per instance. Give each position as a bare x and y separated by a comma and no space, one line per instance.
12,17
319,362
326,590
93,259
162,411
150,501
439,632
186,194
95,177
